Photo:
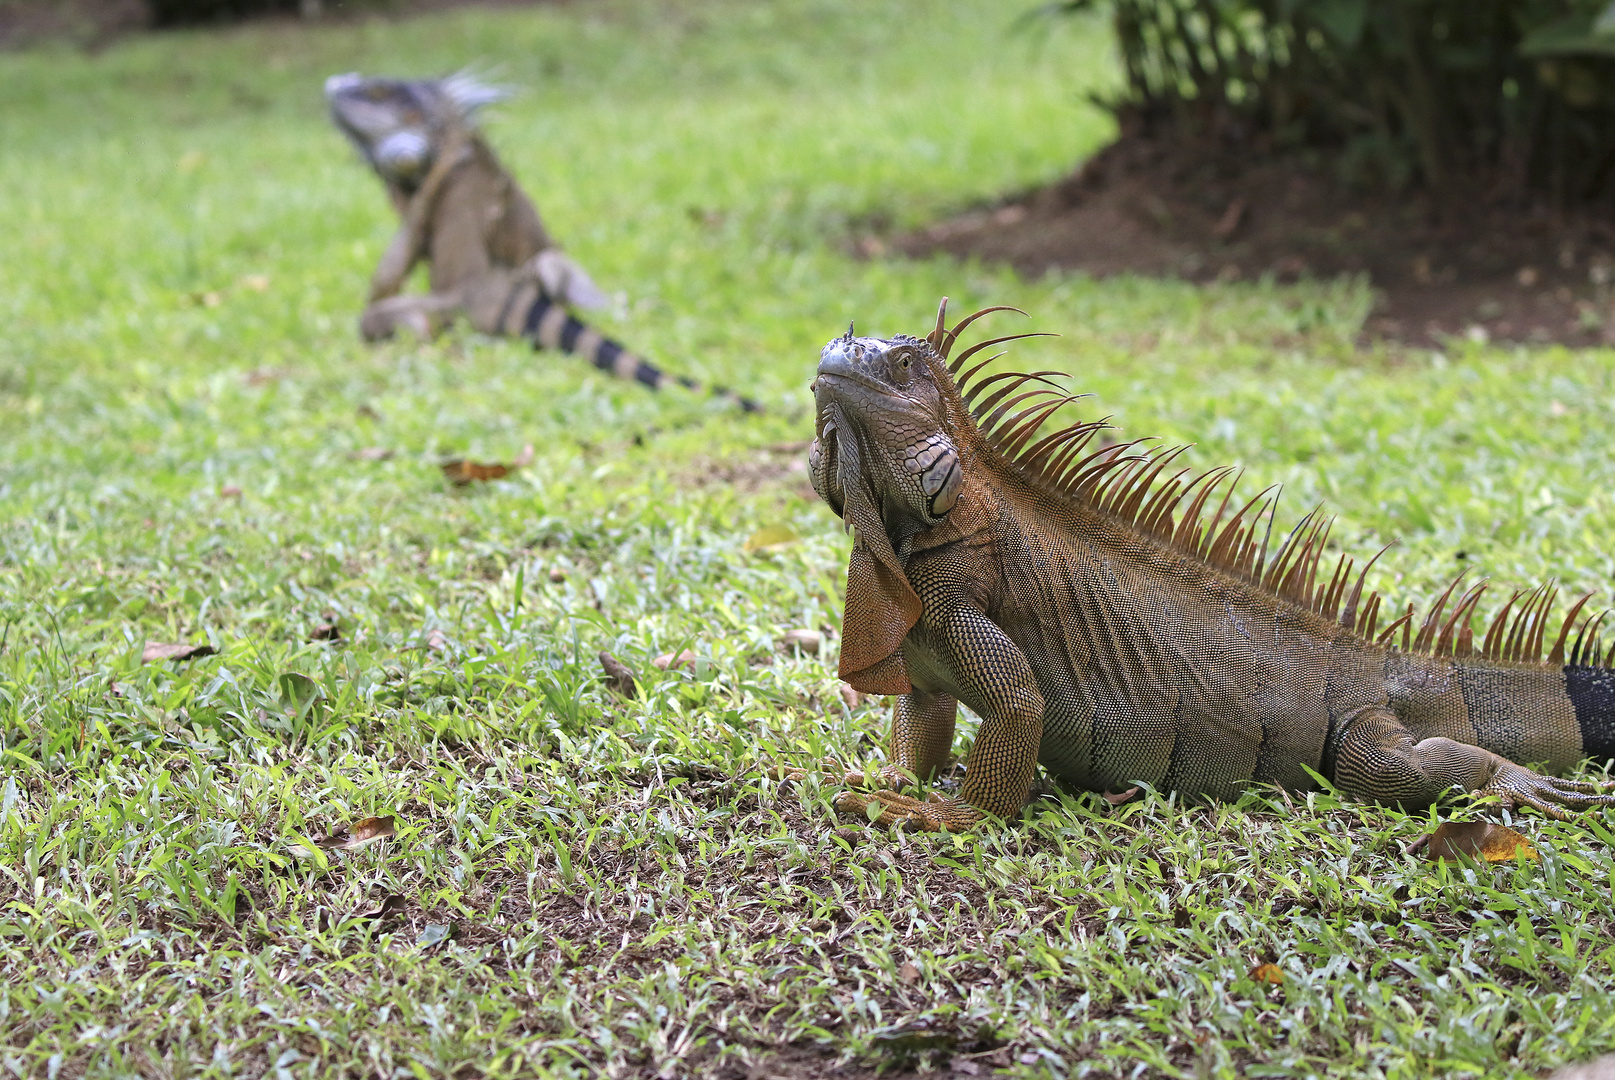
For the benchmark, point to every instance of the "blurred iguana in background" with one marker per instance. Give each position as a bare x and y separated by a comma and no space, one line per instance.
488,254
1100,621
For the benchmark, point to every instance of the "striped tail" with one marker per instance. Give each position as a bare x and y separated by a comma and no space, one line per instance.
549,325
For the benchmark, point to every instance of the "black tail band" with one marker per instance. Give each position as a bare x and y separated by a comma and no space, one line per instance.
1592,692
549,325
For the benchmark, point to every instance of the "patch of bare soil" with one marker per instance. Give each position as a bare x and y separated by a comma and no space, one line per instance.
1488,268
96,23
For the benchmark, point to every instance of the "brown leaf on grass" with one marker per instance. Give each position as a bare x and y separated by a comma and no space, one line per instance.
557,575
375,453
326,631
619,676
230,491
461,473
361,834
1482,840
436,640
809,641
669,662
1267,973
156,650
392,905
851,697
1116,798
908,972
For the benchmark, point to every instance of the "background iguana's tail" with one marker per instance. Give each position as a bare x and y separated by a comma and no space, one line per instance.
549,325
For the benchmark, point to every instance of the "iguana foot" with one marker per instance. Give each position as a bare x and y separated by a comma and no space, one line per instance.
937,813
1516,786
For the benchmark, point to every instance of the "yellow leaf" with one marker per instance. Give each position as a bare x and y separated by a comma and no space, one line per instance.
1482,840
1267,973
771,538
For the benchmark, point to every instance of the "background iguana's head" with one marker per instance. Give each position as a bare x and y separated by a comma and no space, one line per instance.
882,431
399,124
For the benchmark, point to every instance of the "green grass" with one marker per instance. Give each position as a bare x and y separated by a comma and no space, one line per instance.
593,885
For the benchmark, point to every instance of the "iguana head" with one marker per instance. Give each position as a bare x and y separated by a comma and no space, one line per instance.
882,432
399,124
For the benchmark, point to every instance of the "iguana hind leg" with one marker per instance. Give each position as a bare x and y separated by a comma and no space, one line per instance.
1379,759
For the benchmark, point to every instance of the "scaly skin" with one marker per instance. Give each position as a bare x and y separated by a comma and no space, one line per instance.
1094,634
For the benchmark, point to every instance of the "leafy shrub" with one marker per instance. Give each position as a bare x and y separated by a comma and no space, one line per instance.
1516,94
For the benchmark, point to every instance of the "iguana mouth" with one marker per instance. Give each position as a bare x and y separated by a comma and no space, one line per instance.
824,461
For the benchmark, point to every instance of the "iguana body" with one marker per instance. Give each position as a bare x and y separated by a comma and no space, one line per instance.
1098,631
489,256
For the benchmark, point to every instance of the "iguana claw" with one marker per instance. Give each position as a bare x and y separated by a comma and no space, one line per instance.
937,813
1516,786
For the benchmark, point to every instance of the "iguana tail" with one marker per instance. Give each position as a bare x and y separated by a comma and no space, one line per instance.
1502,697
549,325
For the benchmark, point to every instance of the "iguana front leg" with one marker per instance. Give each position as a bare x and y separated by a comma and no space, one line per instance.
1378,759
994,677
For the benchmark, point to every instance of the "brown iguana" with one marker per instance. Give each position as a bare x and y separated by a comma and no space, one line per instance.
1059,592
488,253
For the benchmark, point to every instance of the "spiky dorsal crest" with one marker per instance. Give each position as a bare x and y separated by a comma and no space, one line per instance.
469,94
1128,482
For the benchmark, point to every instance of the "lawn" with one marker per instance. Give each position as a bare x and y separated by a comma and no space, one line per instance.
195,447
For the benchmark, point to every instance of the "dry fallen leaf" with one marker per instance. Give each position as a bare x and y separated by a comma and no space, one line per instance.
1116,798
908,972
851,697
1485,840
375,453
436,640
393,904
669,662
1267,973
361,834
326,631
156,650
462,473
619,676
809,641
467,472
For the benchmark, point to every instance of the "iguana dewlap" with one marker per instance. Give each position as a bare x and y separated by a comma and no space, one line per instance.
1119,622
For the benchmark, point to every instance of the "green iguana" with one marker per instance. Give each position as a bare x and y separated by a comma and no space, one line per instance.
489,256
1105,622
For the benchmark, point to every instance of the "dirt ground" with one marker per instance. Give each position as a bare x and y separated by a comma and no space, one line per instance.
95,24
1485,268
